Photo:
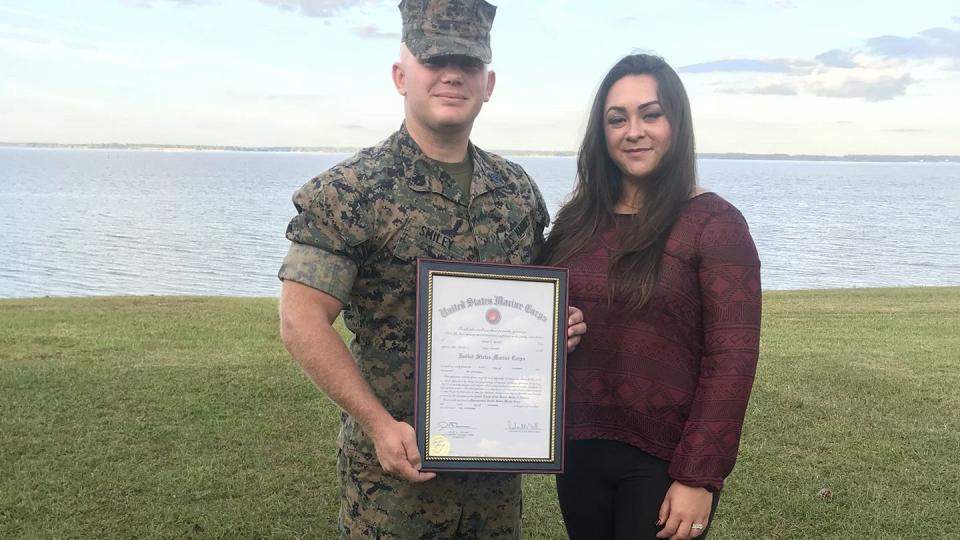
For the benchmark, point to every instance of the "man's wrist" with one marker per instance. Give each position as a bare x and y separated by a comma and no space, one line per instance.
378,422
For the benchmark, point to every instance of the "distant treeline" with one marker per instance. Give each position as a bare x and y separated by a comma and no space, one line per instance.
343,150
204,147
846,157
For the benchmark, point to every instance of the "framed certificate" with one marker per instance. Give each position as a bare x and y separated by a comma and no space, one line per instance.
491,357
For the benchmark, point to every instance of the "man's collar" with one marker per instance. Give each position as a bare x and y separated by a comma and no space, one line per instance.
485,177
428,176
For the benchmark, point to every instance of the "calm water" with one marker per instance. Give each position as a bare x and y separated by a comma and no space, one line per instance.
88,222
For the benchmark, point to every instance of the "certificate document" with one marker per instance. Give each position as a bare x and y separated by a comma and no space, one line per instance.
491,351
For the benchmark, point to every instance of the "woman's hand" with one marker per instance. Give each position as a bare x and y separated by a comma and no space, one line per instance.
576,328
685,512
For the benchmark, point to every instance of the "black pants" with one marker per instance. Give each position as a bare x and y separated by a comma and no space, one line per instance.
613,490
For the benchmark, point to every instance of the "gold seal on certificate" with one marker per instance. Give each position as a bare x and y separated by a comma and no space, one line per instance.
491,348
439,445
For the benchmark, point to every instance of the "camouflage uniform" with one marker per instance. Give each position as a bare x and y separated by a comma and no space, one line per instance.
442,27
360,229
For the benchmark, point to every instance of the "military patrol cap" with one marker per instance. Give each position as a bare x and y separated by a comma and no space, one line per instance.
434,28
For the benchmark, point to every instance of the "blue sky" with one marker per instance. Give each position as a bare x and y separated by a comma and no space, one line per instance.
764,76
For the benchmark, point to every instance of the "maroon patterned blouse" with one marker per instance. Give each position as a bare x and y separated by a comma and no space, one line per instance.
674,380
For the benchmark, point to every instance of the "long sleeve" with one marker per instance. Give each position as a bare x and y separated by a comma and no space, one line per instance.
729,280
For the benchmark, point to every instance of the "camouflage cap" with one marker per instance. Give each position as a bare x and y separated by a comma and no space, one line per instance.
434,28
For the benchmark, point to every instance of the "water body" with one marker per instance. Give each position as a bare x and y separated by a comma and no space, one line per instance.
99,222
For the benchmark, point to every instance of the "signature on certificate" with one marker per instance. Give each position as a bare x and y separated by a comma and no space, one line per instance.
455,430
523,427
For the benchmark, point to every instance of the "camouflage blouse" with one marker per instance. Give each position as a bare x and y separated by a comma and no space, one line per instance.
362,224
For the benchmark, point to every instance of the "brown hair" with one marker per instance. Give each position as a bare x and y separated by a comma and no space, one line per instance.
635,267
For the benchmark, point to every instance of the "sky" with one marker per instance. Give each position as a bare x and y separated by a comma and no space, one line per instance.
827,77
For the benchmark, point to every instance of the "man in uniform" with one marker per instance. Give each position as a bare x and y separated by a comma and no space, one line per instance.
427,192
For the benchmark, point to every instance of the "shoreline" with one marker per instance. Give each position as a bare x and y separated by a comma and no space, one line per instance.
838,290
328,150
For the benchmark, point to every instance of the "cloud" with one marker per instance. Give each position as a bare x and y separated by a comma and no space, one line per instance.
151,3
764,4
859,84
776,89
24,34
372,32
784,88
871,89
932,43
296,99
315,8
51,19
740,64
837,58
875,71
947,38
907,130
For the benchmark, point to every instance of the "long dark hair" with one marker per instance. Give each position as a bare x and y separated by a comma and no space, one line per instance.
635,266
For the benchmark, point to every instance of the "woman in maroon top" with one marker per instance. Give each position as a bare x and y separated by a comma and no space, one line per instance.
668,279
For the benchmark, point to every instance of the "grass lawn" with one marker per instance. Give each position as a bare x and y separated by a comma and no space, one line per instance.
184,417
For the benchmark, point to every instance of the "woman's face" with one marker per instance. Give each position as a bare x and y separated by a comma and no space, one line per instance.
635,126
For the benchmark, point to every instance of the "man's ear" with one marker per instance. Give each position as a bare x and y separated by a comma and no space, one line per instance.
491,82
399,79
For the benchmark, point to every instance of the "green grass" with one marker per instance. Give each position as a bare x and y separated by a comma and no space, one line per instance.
184,417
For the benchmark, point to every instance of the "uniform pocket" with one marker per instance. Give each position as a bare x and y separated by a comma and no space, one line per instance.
518,243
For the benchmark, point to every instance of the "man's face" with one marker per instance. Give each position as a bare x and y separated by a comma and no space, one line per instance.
443,94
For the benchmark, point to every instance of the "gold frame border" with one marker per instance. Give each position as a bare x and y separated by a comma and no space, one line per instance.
553,360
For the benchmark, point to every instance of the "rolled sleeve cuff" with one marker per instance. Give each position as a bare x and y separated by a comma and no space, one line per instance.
328,272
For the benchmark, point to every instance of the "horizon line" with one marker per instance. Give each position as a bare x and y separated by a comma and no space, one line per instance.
521,152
